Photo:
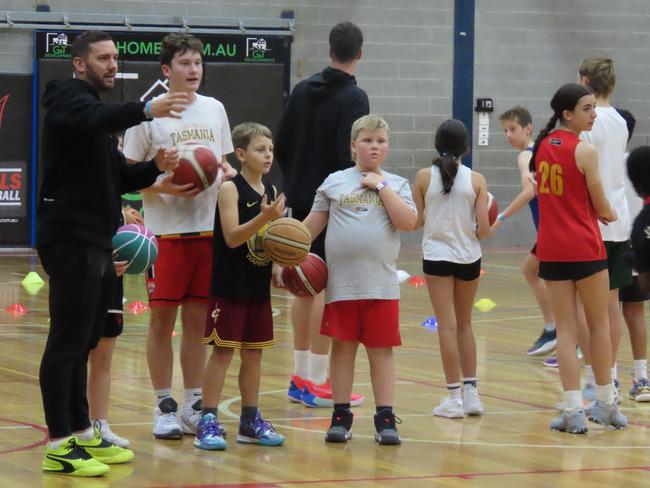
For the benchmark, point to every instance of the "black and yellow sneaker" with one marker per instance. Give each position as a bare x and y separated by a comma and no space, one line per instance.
72,460
105,452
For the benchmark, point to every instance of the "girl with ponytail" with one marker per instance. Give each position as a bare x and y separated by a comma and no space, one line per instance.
572,254
452,206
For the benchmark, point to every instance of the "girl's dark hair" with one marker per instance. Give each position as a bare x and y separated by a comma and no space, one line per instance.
566,98
451,143
638,166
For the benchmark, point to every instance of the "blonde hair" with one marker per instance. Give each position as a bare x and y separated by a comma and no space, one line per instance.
601,75
368,122
243,134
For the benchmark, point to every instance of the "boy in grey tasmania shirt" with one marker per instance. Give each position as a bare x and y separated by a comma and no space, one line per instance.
362,243
363,208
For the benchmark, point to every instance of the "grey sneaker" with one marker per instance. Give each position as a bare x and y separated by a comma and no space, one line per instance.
340,427
607,415
165,420
572,420
385,424
640,391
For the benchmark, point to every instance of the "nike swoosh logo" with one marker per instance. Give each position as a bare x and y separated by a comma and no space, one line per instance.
249,205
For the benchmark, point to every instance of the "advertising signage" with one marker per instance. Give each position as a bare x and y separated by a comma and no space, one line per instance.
145,46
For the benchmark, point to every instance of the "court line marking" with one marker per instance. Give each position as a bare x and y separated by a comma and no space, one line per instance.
292,419
26,425
463,476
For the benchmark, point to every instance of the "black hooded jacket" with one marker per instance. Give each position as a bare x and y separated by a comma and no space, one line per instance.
84,174
313,138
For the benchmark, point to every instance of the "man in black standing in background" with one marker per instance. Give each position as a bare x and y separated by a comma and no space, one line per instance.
312,142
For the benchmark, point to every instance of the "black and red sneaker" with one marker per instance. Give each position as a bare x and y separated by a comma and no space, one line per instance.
340,428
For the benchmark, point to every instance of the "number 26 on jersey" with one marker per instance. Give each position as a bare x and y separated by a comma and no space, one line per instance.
551,178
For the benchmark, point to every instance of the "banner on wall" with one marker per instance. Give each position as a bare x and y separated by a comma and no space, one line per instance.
145,46
249,74
15,158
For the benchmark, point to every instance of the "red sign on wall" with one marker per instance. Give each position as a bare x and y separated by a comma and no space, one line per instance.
15,159
12,195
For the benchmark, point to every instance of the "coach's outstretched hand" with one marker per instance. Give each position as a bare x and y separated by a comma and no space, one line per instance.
167,159
170,105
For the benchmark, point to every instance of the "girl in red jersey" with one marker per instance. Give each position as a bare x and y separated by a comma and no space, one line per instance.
571,251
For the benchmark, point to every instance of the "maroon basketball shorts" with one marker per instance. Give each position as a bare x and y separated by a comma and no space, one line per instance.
181,273
373,323
240,324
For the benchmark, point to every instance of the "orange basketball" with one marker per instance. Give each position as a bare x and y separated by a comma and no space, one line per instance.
493,210
287,241
198,165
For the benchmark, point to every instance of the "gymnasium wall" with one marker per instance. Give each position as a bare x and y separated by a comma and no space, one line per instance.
524,50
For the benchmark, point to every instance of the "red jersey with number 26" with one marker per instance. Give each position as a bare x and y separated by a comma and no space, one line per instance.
568,227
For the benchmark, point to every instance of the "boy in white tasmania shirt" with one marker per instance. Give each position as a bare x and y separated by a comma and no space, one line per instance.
183,219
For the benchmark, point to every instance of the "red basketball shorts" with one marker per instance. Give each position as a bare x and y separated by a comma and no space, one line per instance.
181,273
240,324
373,323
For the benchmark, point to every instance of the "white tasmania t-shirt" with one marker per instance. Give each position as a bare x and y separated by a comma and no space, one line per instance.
609,135
204,121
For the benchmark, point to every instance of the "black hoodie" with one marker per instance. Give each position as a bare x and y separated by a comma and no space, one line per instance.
83,172
313,138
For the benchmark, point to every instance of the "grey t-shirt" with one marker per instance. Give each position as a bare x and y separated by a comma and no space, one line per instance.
362,245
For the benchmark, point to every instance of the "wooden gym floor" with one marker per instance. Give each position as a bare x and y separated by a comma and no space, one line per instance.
511,445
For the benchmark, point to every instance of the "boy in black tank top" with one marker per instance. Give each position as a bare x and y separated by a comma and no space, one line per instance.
239,309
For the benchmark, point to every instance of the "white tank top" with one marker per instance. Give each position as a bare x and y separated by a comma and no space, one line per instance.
450,220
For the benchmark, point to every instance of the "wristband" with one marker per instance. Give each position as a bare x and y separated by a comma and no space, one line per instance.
381,185
501,217
147,110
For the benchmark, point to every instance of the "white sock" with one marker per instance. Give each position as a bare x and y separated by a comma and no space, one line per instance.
453,391
605,393
160,395
470,382
85,435
615,372
572,399
318,368
550,327
301,363
192,395
640,369
590,379
58,443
